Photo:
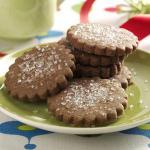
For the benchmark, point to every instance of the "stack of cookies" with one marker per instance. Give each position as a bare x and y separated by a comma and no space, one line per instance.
82,77
100,50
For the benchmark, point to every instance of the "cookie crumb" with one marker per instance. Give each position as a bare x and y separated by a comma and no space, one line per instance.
134,73
146,81
131,94
141,102
145,106
35,111
146,89
131,106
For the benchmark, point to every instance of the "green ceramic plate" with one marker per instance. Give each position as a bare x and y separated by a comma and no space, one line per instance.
37,115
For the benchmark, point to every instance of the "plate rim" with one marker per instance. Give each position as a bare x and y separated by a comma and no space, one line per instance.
72,130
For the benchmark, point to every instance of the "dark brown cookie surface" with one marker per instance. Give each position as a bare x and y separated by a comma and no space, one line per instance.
40,72
95,61
91,59
103,72
124,77
101,39
89,102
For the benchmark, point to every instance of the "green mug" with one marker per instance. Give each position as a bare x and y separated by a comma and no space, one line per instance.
22,19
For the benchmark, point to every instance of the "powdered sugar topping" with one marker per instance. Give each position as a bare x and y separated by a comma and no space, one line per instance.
105,35
39,63
85,93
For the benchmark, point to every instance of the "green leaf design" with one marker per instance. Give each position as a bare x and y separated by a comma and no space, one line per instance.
135,7
77,7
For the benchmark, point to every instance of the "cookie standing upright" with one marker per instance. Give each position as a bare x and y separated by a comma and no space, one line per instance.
40,72
102,39
89,102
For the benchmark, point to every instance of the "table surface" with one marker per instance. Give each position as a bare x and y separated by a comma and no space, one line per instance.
17,136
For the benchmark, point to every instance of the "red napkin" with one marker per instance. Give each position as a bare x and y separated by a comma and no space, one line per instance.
2,54
139,25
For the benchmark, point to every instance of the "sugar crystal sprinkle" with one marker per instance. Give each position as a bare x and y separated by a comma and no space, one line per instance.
86,92
19,81
105,35
43,61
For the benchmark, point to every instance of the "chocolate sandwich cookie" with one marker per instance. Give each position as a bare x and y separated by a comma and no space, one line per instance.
91,59
101,39
124,77
43,71
89,102
103,72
